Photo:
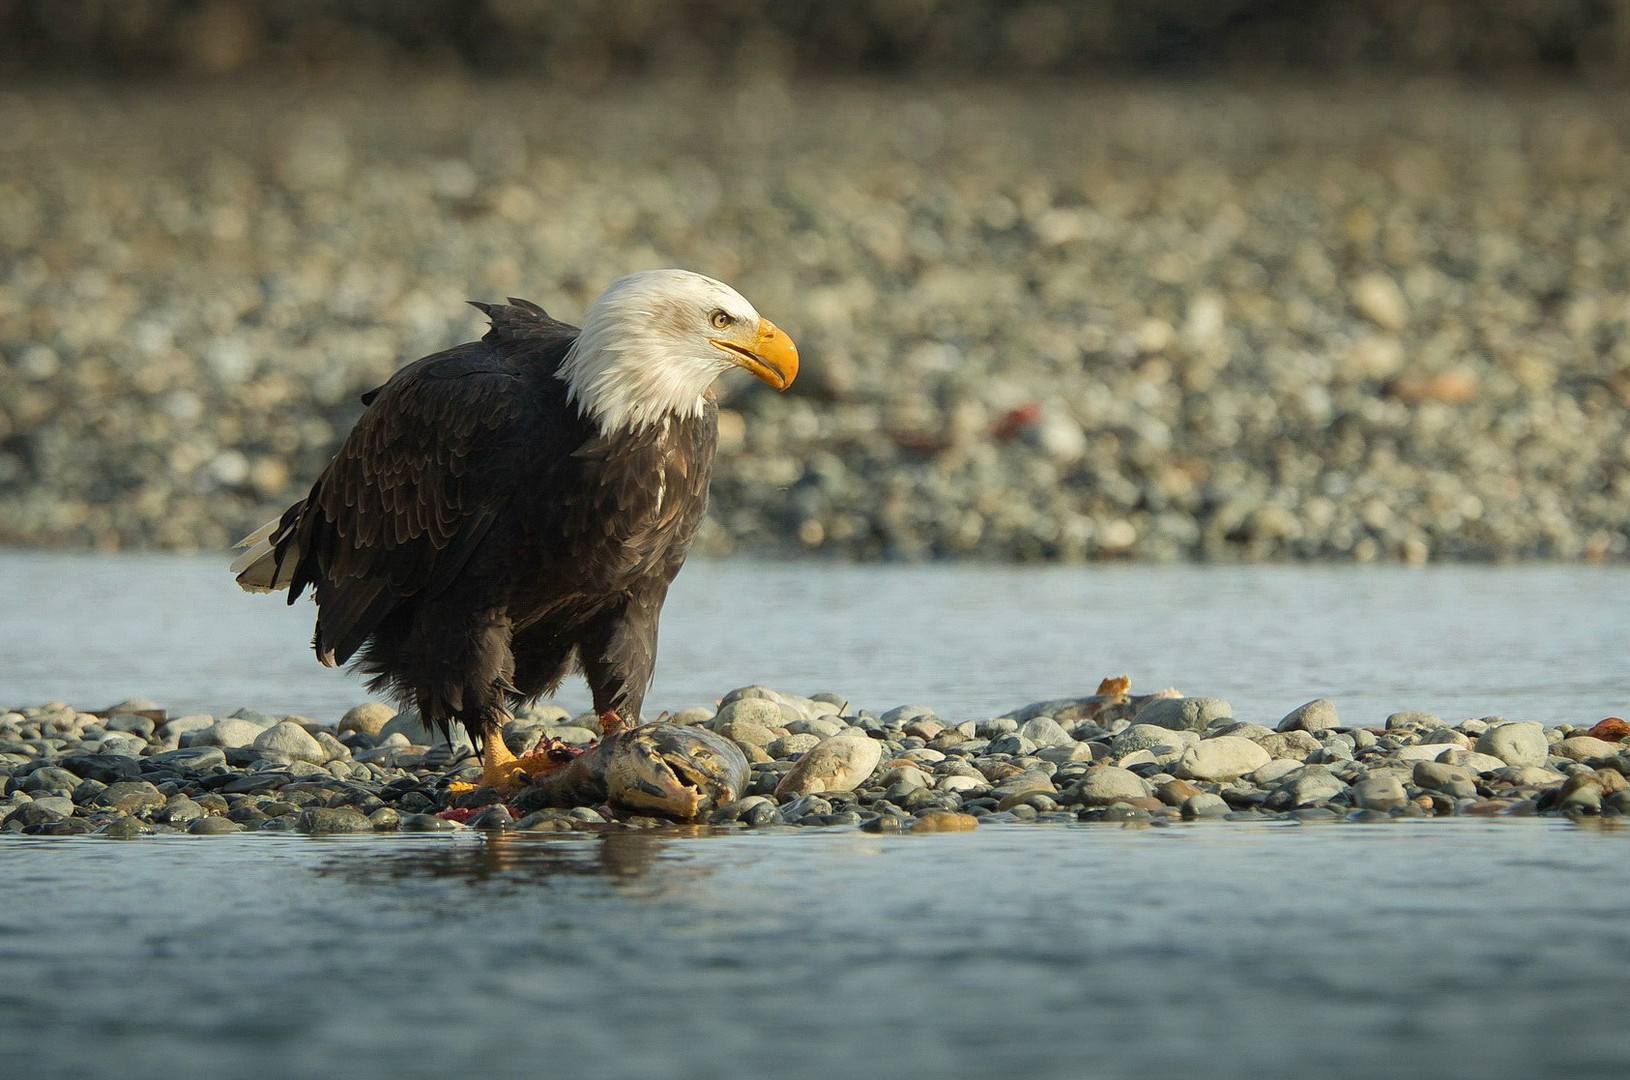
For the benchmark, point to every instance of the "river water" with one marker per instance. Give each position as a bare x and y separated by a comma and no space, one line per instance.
1486,950
1435,949
1534,642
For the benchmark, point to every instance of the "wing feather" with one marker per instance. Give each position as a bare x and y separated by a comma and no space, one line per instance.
403,504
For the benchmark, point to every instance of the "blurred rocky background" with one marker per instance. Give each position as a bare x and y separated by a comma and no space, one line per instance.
1162,279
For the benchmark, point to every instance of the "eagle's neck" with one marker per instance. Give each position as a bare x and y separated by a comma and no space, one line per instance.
627,382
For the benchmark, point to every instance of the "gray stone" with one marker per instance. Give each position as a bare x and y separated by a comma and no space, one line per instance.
821,727
788,746
229,731
45,808
1075,751
1413,721
139,726
1308,786
1452,781
1045,731
805,806
1224,757
123,828
1446,735
323,820
1518,743
336,750
49,780
427,823
179,811
1105,785
1317,715
255,716
1204,805
407,723
1183,714
1380,792
1244,729
1471,760
189,758
108,768
1021,783
751,710
1152,737
181,725
131,797
1291,745
1580,748
214,826
1274,771
744,732
1013,744
289,741
906,777
904,714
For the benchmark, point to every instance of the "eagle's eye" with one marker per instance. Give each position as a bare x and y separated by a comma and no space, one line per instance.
721,319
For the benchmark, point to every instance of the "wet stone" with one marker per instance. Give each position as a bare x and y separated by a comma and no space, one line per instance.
131,797
1183,714
108,768
1382,792
190,759
1450,780
1106,785
322,820
1516,743
1317,715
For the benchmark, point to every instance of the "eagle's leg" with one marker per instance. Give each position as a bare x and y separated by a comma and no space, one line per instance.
611,723
499,767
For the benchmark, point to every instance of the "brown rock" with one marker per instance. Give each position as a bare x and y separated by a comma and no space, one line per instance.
1610,730
924,728
1175,792
945,821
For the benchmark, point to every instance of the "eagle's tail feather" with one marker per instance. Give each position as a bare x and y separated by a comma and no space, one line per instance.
258,568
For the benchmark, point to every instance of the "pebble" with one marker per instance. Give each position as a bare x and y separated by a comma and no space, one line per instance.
228,731
1317,715
836,764
1380,792
1451,780
1517,743
1106,785
1183,714
288,741
1223,757
881,775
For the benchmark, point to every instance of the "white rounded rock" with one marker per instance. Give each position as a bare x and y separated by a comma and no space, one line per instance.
841,763
1226,757
1106,785
1518,743
293,742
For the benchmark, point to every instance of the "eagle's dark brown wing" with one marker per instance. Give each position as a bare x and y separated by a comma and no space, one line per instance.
419,480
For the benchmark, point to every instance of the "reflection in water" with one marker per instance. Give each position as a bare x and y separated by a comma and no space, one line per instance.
636,863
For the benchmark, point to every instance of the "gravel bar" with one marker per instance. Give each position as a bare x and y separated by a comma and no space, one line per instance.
1046,322
1113,757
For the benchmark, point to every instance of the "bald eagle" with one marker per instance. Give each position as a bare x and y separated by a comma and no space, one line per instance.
513,509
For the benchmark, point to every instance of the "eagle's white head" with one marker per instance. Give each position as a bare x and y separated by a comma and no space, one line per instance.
654,341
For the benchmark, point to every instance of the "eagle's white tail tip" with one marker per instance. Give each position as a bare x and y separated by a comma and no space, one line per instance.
257,568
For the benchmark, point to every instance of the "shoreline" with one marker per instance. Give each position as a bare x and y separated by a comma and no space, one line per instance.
1113,757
